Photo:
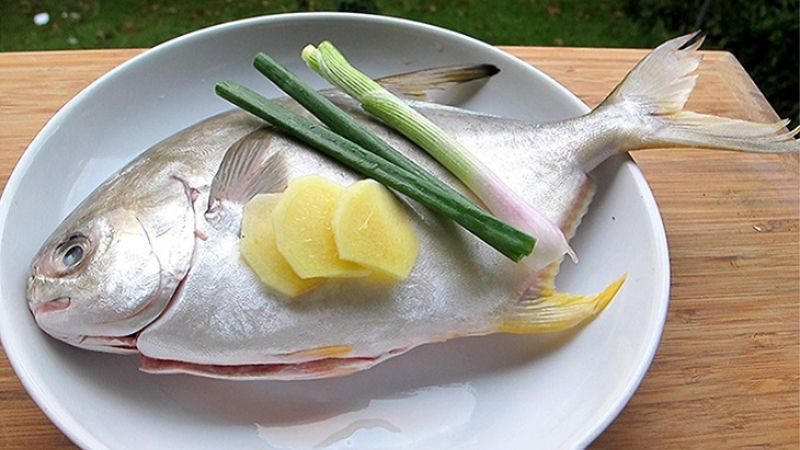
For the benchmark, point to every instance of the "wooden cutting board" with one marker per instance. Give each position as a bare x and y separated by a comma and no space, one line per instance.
726,373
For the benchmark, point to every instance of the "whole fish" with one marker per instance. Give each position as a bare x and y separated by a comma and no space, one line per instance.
142,266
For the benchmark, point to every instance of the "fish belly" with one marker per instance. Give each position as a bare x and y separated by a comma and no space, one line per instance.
459,286
224,315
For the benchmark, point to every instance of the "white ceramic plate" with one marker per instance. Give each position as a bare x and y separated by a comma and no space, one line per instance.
499,391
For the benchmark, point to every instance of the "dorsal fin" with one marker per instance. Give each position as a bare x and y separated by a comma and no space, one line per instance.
248,168
417,84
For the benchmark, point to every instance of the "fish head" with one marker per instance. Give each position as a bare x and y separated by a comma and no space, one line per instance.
96,277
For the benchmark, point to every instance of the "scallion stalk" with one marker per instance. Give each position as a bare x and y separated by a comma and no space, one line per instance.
511,242
345,125
482,181
333,116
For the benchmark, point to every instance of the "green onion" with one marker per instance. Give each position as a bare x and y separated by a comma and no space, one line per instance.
482,181
345,125
507,240
336,119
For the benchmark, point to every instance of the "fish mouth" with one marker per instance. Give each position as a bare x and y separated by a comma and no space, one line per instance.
123,345
108,344
56,304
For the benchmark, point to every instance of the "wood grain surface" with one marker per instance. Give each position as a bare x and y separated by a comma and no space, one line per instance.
726,372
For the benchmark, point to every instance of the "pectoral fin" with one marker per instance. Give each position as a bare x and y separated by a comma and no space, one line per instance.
248,168
417,84
550,311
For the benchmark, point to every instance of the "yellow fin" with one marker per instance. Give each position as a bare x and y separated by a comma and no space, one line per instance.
546,279
330,351
556,311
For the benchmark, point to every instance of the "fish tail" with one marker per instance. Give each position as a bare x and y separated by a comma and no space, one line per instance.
550,311
661,83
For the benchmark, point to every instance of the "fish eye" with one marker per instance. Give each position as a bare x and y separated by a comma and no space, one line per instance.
71,251
73,255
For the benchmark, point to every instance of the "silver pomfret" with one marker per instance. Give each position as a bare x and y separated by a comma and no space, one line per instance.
143,266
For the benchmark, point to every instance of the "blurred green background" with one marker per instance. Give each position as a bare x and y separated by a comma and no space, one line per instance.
763,35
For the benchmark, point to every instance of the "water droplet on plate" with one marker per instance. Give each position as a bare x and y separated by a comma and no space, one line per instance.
427,415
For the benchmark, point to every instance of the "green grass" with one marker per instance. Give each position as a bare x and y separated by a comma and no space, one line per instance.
133,23
82,24
532,22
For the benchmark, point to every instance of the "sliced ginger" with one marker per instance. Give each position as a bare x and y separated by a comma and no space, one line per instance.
316,229
259,250
303,232
371,229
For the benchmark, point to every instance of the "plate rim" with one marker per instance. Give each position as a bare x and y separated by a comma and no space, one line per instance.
82,437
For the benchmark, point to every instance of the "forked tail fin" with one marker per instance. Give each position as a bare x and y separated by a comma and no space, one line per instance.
660,85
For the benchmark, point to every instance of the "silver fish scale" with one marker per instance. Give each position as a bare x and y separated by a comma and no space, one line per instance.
459,286
146,226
